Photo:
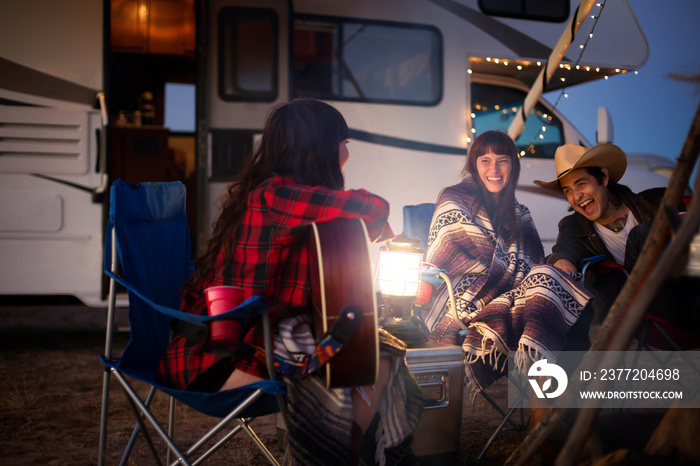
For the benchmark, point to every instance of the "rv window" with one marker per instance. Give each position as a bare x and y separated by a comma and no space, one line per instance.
367,61
248,54
556,11
494,107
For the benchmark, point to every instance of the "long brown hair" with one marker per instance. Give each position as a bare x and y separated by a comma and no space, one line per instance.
501,209
300,140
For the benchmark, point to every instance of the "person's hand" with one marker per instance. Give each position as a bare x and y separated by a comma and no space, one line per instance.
566,265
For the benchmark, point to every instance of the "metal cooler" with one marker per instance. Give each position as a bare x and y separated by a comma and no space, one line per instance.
439,370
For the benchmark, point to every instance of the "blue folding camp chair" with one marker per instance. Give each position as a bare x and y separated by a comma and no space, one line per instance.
416,221
148,252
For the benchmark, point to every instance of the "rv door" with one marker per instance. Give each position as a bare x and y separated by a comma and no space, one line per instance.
246,74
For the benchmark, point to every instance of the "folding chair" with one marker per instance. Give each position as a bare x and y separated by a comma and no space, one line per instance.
662,328
416,221
148,251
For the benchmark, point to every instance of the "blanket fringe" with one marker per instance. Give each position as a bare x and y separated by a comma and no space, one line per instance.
525,356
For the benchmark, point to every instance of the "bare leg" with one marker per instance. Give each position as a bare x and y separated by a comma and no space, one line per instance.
238,379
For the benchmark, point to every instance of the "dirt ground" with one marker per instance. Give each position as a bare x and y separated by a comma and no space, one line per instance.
50,398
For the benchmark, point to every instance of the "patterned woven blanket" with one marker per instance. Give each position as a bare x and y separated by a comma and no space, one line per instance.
508,301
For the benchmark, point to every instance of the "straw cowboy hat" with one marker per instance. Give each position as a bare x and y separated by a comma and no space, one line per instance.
570,157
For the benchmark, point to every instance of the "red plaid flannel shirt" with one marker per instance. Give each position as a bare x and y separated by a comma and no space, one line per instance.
270,260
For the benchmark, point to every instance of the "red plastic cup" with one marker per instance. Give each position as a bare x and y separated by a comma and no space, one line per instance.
221,299
425,291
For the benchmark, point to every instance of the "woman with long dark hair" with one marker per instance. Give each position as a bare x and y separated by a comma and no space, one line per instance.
259,243
488,245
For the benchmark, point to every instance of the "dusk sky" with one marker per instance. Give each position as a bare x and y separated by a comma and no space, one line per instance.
651,112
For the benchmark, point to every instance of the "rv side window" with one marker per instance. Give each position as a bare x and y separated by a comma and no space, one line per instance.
248,54
367,61
556,11
494,107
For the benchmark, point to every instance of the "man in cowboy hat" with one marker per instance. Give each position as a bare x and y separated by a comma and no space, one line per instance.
608,219
605,212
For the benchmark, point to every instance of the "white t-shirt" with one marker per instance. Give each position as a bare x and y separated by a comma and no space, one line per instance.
616,242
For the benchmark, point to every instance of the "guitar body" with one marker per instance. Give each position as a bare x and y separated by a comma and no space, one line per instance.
341,275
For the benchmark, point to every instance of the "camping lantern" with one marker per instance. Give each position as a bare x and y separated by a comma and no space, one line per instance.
399,279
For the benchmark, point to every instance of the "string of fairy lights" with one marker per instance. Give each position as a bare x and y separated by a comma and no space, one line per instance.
522,64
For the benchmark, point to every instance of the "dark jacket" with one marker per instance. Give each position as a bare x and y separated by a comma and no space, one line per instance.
578,239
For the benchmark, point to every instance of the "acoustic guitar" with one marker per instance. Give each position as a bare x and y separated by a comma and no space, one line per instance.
341,276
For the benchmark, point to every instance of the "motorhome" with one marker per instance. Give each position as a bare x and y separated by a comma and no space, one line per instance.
154,90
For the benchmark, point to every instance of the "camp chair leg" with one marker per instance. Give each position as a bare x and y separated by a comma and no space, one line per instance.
643,337
146,435
216,446
133,396
500,427
261,446
171,425
109,343
500,410
242,425
103,418
137,429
